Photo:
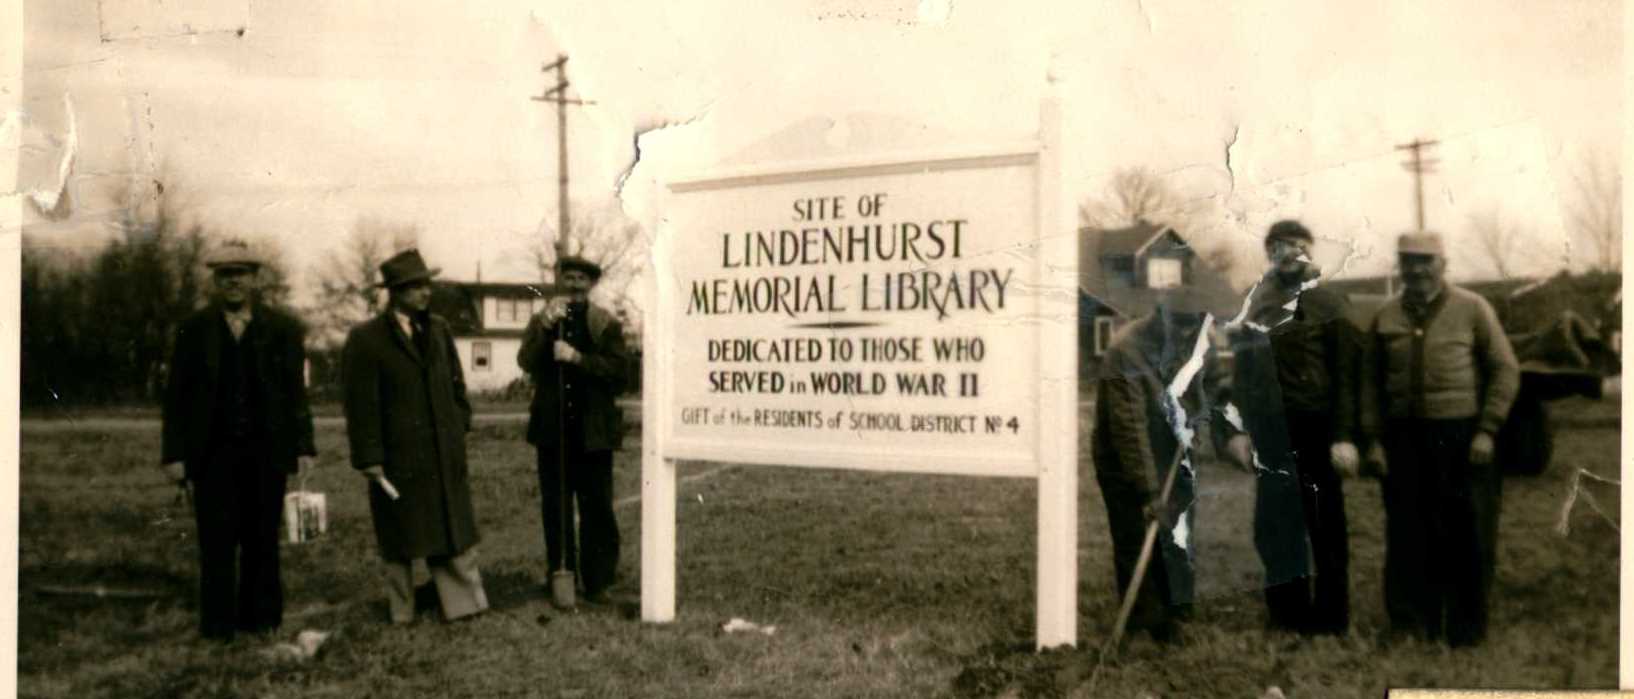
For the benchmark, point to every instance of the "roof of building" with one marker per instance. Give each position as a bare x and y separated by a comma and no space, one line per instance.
506,289
1132,240
1133,302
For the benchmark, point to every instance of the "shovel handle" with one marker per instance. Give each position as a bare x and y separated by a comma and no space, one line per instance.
1145,552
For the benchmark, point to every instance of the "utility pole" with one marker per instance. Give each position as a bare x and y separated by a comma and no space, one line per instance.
1418,166
558,95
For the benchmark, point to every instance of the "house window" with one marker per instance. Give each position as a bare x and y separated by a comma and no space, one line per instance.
482,356
510,310
1103,334
1163,273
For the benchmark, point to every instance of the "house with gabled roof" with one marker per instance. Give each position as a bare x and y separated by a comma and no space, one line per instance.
1122,272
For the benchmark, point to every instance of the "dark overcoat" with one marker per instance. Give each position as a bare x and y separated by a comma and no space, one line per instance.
277,340
602,371
409,413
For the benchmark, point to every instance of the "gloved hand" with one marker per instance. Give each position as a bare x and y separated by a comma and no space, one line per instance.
565,352
1345,458
1241,451
1481,449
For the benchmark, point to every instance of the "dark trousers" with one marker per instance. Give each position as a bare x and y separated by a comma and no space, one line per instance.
594,552
1441,531
1165,591
1307,509
237,504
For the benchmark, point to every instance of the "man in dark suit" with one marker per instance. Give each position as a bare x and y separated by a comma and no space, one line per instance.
1296,363
236,423
406,419
575,351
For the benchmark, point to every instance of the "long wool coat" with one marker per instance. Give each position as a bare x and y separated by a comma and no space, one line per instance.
409,413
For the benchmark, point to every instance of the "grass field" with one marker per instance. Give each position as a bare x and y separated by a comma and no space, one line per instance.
879,585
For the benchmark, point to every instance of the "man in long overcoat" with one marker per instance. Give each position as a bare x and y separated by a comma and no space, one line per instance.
236,423
575,351
406,419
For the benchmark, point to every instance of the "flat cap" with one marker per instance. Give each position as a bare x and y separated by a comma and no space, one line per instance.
232,253
1420,243
1289,229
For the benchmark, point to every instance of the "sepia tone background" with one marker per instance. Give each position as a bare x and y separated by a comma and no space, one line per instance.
331,134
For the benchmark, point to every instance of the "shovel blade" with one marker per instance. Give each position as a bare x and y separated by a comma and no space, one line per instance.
561,589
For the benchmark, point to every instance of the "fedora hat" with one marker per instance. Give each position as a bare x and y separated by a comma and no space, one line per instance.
232,253
567,262
405,267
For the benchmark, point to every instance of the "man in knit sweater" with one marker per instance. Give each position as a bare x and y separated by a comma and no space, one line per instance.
1439,381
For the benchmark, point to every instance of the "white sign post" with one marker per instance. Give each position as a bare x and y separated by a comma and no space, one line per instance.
909,313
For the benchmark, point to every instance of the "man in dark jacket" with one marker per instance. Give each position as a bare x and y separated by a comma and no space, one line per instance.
236,423
1140,430
575,351
1295,380
406,419
1438,384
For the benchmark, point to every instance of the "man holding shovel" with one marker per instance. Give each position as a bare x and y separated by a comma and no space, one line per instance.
574,349
1151,403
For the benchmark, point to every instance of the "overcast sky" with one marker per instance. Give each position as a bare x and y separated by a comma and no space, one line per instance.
323,112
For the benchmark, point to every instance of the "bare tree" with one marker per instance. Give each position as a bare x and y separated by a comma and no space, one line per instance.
602,234
1495,239
1138,194
1596,214
346,293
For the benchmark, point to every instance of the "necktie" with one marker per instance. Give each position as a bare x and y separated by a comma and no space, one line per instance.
420,341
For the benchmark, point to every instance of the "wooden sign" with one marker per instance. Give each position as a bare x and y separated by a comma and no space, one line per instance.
908,312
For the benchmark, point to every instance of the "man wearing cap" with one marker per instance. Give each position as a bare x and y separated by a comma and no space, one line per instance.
1295,386
574,349
1140,433
236,423
406,419
1437,386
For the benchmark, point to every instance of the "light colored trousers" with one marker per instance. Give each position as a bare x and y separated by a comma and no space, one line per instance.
458,583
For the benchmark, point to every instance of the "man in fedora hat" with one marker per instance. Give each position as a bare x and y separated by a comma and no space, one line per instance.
1438,384
1140,433
406,419
236,423
575,351
1294,366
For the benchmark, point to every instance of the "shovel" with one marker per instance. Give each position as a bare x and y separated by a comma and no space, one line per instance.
1140,571
562,582
1145,552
